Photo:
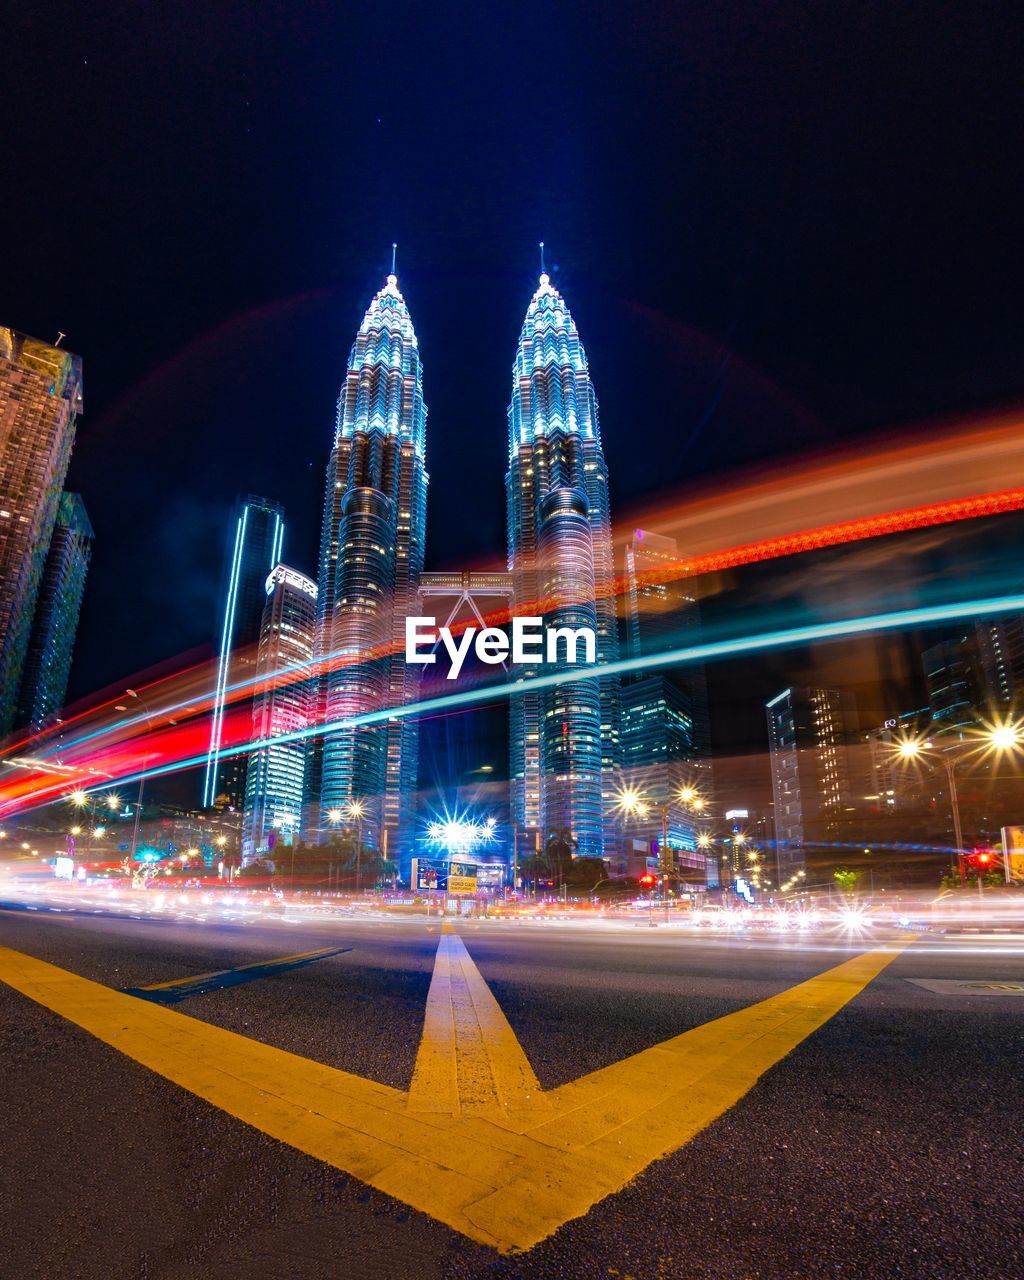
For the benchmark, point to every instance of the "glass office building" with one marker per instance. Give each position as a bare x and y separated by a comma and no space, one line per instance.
564,742
371,558
275,783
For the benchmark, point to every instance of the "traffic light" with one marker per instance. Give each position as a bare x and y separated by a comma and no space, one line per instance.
648,879
984,858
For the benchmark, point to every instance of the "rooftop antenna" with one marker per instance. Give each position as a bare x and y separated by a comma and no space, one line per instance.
394,250
542,269
60,337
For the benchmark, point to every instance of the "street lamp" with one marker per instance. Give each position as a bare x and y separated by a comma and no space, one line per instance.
90,801
633,804
629,801
357,809
148,714
998,738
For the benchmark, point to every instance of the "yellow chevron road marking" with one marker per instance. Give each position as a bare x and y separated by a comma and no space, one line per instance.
502,1164
469,1060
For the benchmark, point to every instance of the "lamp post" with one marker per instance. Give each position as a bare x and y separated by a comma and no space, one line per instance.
89,801
998,738
334,816
631,803
148,714
357,809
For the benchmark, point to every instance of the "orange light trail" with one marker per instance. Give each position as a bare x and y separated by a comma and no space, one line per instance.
955,474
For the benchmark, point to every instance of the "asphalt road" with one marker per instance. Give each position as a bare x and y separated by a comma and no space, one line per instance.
889,1143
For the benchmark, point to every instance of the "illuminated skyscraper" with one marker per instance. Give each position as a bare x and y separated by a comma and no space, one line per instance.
564,741
255,550
40,400
276,774
44,681
371,557
1000,643
663,613
666,750
807,737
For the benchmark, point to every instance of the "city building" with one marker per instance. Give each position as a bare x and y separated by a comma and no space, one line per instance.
658,766
663,613
666,732
285,702
258,534
748,848
951,676
44,681
807,736
1000,649
564,741
40,400
371,557
895,788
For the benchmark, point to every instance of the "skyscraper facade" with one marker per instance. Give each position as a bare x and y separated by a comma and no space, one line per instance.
564,747
1000,644
666,747
663,612
255,550
807,736
658,765
275,783
40,400
371,557
951,674
44,681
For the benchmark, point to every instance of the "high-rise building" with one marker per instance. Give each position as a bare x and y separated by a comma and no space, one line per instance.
258,534
40,400
44,681
666,733
1000,647
664,613
807,736
371,557
564,742
285,701
658,765
896,787
951,677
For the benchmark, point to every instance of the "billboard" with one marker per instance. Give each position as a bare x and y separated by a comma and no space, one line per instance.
1013,853
443,875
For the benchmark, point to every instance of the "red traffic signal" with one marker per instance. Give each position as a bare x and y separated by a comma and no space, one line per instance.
647,879
984,857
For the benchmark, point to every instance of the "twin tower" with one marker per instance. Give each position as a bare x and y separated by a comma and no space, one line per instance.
564,741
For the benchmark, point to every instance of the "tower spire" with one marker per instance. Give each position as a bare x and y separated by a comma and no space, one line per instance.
394,251
543,271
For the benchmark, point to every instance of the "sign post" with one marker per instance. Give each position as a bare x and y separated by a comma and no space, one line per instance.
1013,854
445,876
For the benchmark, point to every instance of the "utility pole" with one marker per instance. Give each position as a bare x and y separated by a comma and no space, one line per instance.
949,763
666,857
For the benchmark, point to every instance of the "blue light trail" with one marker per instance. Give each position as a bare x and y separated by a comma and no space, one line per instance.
929,615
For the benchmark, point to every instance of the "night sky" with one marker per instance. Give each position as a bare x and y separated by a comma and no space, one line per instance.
777,225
